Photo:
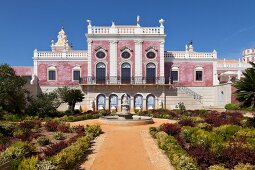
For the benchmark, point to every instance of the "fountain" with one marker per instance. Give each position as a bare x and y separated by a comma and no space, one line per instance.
125,117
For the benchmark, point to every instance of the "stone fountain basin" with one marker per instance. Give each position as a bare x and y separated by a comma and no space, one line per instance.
118,120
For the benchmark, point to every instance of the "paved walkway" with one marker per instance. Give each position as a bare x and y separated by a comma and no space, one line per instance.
125,148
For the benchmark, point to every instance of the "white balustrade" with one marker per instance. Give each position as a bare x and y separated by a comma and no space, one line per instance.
125,30
70,54
187,54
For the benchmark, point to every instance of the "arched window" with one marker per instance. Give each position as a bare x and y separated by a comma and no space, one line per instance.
113,101
100,73
150,102
174,74
125,73
151,54
150,73
138,101
100,102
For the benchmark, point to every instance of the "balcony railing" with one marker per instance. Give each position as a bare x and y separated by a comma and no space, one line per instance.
122,80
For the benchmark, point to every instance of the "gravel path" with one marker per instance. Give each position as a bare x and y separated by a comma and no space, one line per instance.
125,148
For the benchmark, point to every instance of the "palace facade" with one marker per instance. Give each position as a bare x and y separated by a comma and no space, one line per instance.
132,59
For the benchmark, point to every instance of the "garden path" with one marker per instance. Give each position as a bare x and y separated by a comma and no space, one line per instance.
125,148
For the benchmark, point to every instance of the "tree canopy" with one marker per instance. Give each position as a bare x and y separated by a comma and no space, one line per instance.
70,96
246,88
12,93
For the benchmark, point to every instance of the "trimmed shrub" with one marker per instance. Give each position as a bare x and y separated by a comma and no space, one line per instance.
227,131
42,140
178,156
231,106
94,130
68,157
16,151
217,167
153,131
45,165
51,126
28,163
65,128
242,166
186,122
53,149
59,136
170,129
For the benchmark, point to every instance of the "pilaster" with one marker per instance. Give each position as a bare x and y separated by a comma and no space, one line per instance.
138,58
89,58
113,58
162,63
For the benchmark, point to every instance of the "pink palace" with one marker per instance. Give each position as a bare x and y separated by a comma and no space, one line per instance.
132,59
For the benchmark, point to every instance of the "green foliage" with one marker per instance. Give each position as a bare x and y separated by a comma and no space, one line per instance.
93,130
179,157
12,93
246,88
181,107
77,118
43,140
68,157
217,167
231,106
28,163
16,151
59,136
45,165
202,111
226,131
153,131
242,166
45,104
70,96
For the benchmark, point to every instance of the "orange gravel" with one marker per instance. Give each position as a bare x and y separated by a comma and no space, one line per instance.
122,148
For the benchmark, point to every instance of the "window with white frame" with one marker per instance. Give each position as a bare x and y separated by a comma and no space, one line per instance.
199,73
76,73
175,74
52,73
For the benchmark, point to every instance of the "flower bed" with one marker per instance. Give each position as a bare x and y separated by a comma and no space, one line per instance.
30,145
210,141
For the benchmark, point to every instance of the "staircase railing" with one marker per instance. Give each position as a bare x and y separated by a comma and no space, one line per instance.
190,92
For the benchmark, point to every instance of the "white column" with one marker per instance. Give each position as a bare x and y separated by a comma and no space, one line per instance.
138,58
89,58
162,63
113,58
215,75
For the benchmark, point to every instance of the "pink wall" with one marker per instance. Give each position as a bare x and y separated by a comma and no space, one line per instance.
64,72
104,44
187,73
131,45
23,70
145,60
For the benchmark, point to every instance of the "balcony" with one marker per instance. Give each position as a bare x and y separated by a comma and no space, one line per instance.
123,81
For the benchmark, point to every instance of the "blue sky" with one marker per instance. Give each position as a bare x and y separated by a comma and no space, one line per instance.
225,25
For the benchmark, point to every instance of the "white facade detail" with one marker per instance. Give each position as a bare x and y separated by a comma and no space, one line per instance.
162,59
113,58
138,61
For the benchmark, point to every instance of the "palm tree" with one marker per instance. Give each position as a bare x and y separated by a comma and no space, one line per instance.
245,93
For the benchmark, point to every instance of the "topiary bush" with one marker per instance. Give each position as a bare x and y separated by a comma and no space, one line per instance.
59,136
43,140
231,106
170,129
28,163
93,131
15,151
227,131
217,167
